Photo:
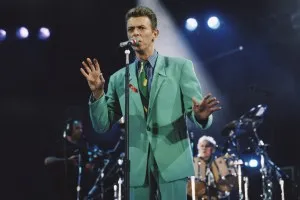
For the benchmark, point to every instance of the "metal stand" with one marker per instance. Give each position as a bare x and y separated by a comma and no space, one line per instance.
121,176
207,178
239,164
246,186
281,182
78,188
265,170
99,183
126,159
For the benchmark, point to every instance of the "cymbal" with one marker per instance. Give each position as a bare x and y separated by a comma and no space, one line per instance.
233,127
246,122
255,113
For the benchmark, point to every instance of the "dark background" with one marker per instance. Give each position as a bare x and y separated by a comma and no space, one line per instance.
41,85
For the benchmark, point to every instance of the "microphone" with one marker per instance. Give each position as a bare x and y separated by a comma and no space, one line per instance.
130,42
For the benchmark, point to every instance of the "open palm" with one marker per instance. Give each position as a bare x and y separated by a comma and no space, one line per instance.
93,75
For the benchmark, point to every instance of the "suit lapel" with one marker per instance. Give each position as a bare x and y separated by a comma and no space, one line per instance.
158,79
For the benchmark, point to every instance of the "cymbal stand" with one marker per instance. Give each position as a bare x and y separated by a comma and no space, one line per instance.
98,183
78,188
281,182
246,186
239,162
193,187
115,192
265,170
121,173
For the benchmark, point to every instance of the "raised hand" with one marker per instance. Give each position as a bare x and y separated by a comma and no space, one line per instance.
207,106
94,77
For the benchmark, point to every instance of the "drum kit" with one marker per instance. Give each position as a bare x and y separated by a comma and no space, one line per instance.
223,176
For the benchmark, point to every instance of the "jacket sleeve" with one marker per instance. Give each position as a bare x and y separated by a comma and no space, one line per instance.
190,87
105,111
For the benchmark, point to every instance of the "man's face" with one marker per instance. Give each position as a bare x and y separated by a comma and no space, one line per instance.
205,149
77,130
140,29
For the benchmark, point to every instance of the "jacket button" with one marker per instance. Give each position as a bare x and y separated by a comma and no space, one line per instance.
148,128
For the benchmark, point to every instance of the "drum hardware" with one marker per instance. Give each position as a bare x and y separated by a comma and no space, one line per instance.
193,187
208,178
115,192
281,182
246,186
78,188
120,182
246,126
239,163
97,190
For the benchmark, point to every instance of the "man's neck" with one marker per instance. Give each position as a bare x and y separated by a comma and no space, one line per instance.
144,55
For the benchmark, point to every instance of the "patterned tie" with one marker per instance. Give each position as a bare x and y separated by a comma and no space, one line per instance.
143,85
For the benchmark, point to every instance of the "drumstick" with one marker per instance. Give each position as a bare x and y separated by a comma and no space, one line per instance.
193,187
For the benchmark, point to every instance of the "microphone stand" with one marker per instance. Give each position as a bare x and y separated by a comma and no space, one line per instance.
126,158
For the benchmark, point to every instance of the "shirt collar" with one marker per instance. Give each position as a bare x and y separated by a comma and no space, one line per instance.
152,59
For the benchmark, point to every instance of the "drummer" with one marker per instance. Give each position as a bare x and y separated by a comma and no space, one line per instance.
206,148
206,169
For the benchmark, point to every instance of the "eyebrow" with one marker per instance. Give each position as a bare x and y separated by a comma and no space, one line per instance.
138,26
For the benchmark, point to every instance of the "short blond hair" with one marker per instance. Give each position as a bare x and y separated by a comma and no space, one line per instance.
209,139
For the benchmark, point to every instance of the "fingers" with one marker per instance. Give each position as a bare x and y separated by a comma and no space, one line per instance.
87,68
214,103
207,96
83,73
97,66
90,65
213,109
101,77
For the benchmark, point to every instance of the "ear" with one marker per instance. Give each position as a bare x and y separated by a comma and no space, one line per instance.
155,34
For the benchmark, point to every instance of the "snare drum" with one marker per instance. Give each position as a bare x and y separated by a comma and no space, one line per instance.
225,173
200,183
200,188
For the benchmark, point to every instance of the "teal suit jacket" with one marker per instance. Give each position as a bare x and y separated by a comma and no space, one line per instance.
173,86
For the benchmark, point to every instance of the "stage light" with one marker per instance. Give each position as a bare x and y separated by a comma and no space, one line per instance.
253,163
22,33
2,35
213,22
44,33
191,24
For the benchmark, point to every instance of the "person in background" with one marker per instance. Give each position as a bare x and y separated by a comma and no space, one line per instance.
64,159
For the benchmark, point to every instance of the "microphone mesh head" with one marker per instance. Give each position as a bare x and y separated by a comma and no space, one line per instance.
134,42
